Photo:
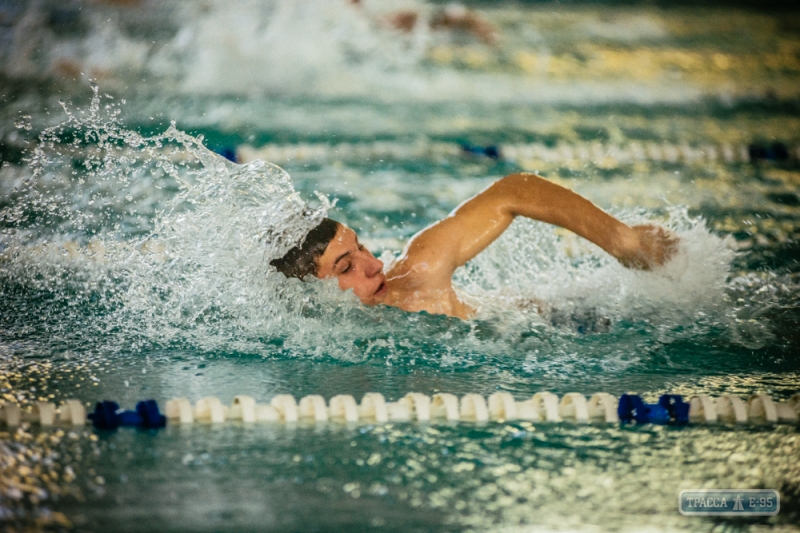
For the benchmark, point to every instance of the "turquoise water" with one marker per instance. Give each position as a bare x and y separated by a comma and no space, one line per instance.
133,259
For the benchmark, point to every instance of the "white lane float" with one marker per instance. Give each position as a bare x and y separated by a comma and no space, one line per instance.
500,406
445,405
344,407
760,407
12,414
702,408
244,409
373,407
473,407
179,410
419,405
45,414
573,406
313,407
398,411
603,406
72,412
731,409
286,406
596,152
210,409
547,406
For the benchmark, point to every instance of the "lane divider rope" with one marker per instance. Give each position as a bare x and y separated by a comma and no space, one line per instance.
500,406
590,152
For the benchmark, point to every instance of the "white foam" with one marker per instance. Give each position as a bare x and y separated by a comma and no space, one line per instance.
537,266
172,243
325,48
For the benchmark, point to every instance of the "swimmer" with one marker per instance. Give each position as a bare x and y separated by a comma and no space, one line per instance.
421,278
452,17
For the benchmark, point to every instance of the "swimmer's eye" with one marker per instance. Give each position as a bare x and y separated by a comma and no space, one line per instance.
346,269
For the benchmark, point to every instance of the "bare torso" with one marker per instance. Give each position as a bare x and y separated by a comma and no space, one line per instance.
421,279
443,301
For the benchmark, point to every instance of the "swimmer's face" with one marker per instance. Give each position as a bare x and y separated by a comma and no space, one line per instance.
353,266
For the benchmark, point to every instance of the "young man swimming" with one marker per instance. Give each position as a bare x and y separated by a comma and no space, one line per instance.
421,279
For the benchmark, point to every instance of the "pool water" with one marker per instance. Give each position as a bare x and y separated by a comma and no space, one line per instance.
134,259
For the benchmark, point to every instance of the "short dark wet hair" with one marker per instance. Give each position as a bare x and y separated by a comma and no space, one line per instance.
301,260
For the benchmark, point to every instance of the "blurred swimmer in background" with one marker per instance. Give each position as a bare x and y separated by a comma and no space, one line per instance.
453,18
421,278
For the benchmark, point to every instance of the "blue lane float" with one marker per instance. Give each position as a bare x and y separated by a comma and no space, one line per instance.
670,409
490,151
375,409
108,415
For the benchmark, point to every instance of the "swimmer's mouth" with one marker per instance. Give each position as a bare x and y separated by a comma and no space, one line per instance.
381,288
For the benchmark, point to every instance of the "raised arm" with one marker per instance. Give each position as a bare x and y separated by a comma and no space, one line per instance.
441,248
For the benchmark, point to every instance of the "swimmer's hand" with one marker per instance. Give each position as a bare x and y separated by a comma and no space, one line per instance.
647,246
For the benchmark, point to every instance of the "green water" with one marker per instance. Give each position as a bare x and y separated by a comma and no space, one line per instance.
91,309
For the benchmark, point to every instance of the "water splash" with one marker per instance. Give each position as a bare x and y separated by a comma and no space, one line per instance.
554,271
318,47
116,242
158,230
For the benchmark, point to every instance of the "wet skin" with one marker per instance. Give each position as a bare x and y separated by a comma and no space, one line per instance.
354,267
421,279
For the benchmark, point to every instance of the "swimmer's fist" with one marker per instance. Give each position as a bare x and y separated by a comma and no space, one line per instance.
647,246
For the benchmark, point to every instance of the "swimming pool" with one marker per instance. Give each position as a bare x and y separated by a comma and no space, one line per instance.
133,260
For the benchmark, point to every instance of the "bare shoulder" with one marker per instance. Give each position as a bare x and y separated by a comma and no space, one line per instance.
425,262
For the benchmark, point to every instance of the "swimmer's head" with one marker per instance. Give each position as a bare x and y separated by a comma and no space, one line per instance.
301,260
332,250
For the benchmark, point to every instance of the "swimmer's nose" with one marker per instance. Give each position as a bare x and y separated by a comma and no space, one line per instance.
374,267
